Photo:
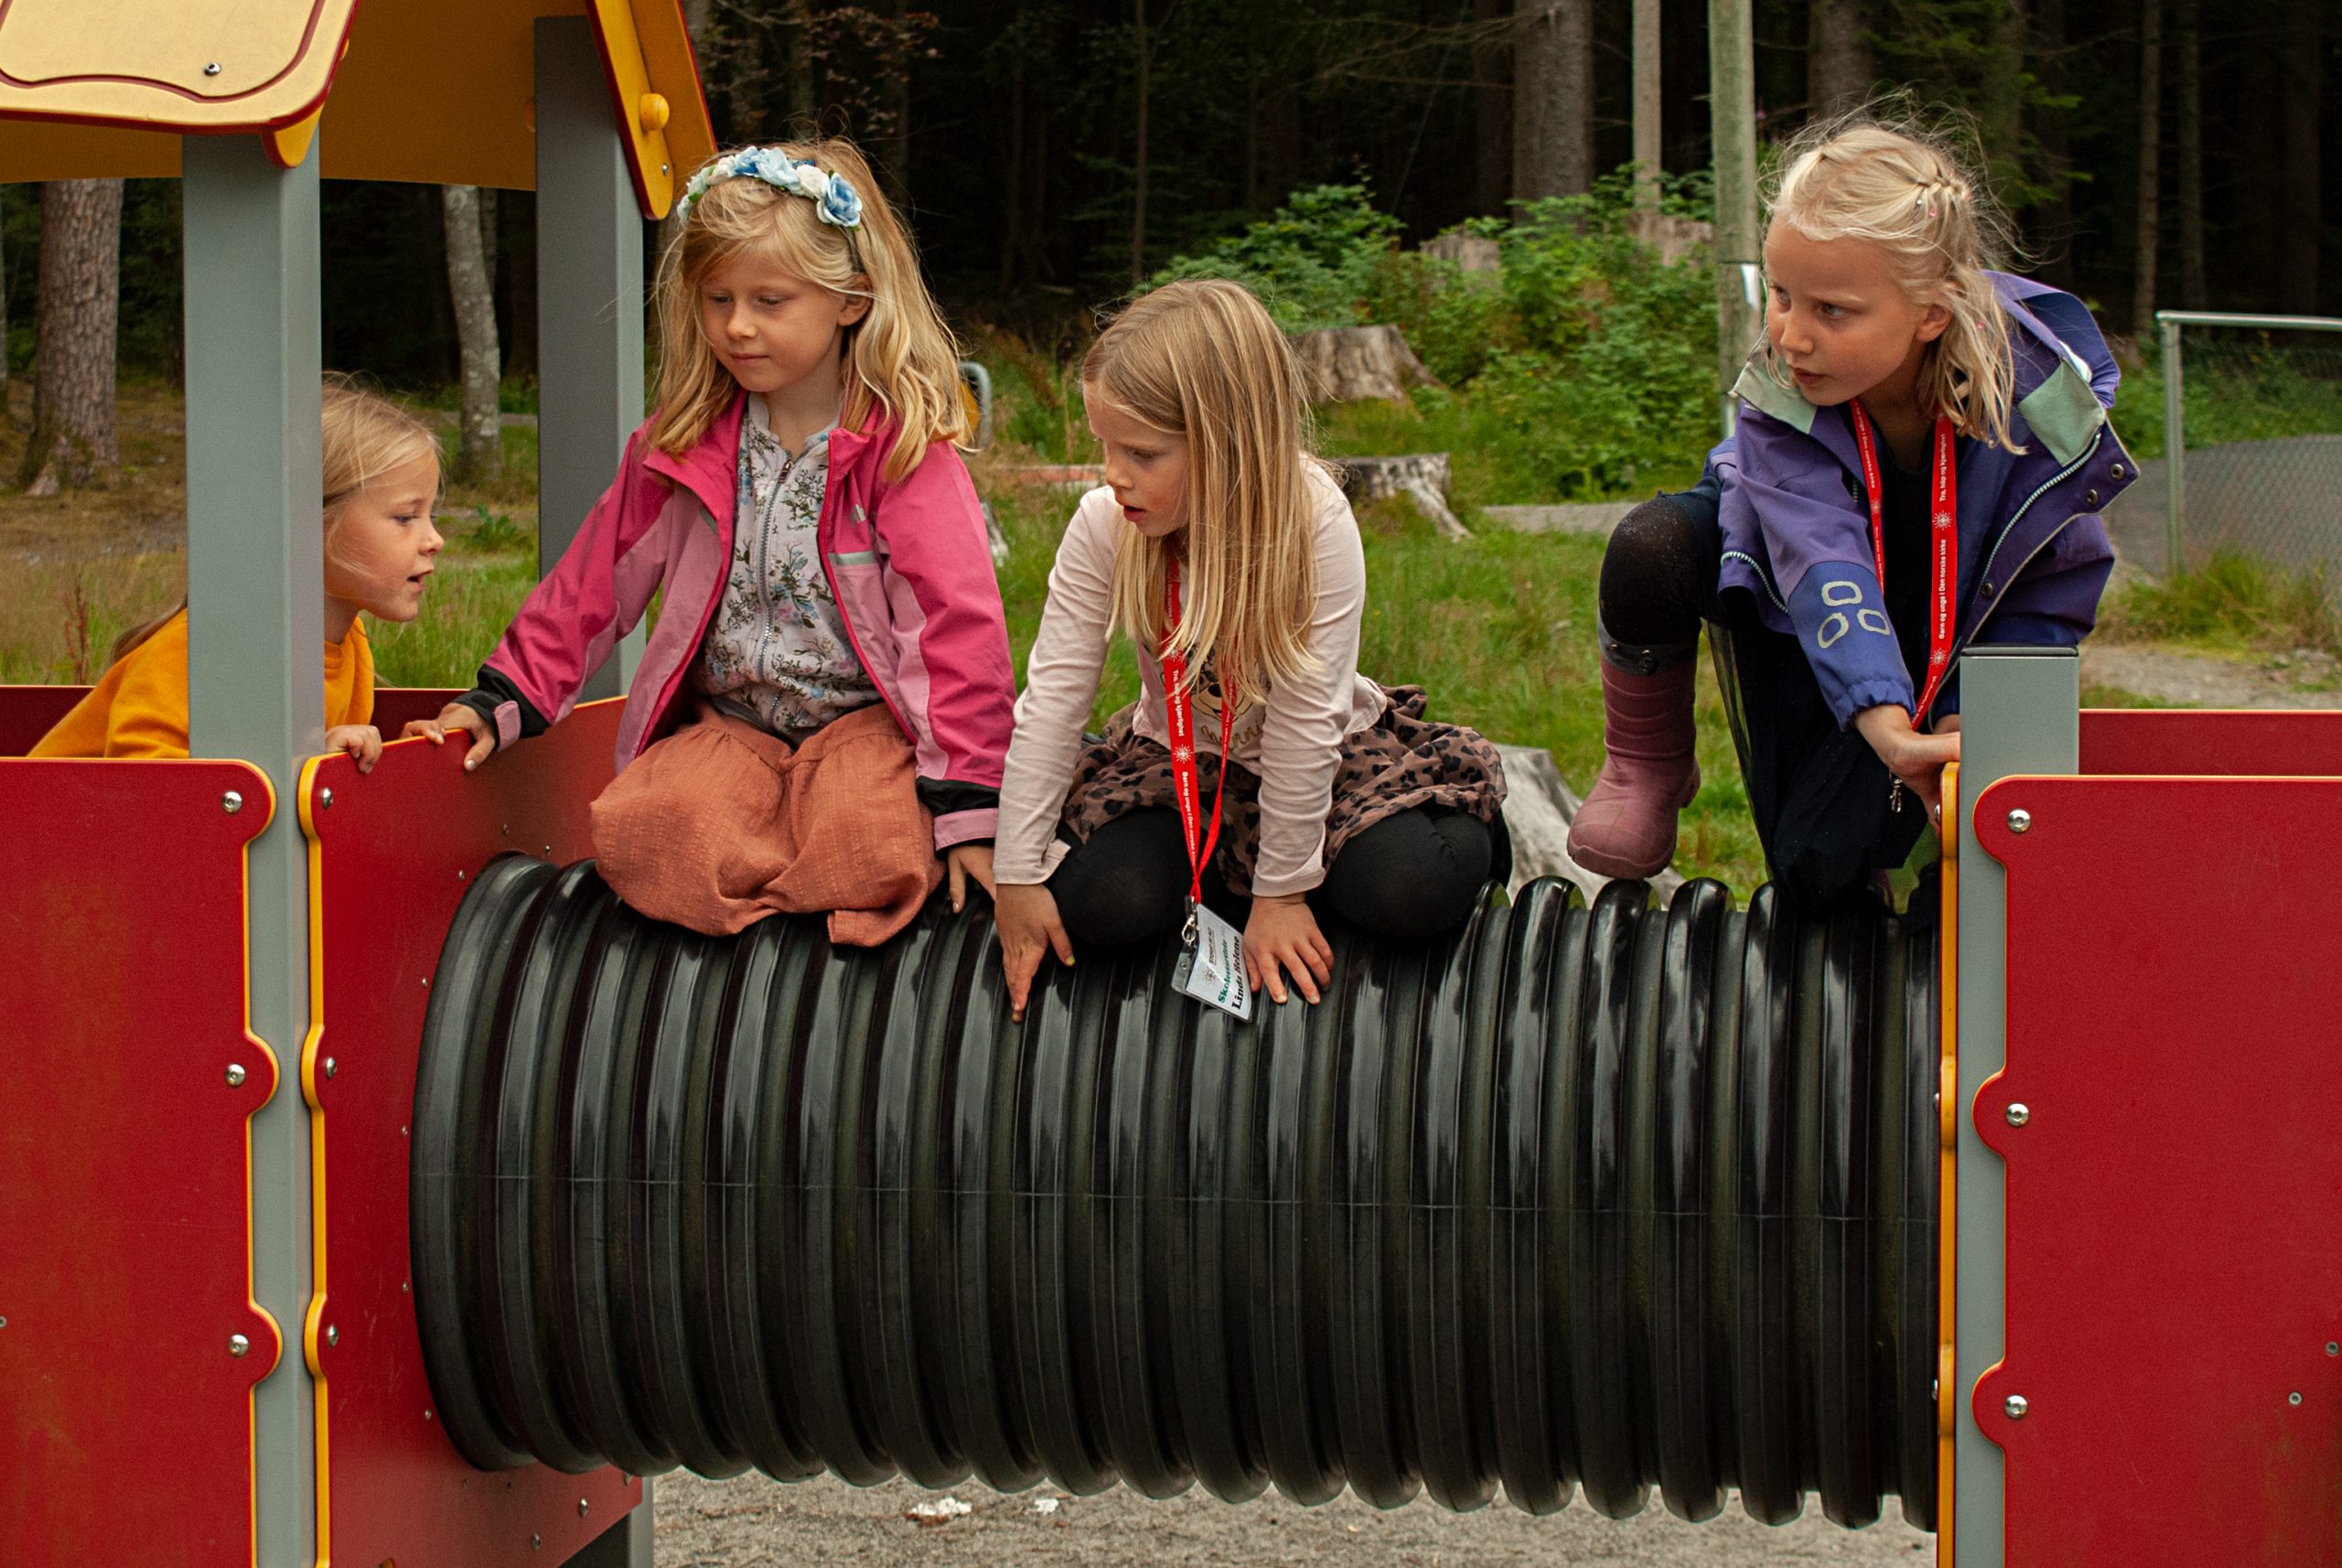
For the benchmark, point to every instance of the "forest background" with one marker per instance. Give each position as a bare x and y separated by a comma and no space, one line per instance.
1055,154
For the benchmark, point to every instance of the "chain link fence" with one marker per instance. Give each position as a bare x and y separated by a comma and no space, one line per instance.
2247,457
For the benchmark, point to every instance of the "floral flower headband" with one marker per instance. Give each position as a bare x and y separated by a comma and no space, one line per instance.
835,199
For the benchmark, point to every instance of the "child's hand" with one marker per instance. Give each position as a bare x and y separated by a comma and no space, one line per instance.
457,719
363,742
1027,914
1280,938
966,860
1915,758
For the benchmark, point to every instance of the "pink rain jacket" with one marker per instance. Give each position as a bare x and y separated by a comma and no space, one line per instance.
908,563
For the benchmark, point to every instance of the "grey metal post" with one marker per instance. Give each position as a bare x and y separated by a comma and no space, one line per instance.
2175,450
255,574
589,302
2021,714
1732,116
626,1544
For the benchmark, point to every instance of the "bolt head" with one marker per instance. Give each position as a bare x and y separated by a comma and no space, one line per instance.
536,1543
2294,1398
2014,1407
2020,820
2334,1348
2019,1112
325,800
231,803
239,1346
212,69
329,1067
235,1075
581,1508
333,1334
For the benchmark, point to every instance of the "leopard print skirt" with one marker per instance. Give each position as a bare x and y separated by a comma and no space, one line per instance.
1401,761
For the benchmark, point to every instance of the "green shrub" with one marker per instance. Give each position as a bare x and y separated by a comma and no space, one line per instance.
1317,264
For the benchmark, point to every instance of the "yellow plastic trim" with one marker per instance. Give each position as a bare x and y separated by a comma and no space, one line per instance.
165,65
313,1320
629,72
1948,1180
287,147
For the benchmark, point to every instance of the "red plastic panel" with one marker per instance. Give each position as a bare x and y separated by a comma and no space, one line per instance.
28,712
395,705
391,858
2225,742
2174,1189
125,1208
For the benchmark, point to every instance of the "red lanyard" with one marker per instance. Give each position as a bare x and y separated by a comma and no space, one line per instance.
1185,782
1943,543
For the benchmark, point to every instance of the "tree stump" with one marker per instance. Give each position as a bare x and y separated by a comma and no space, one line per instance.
1471,252
1352,364
1422,478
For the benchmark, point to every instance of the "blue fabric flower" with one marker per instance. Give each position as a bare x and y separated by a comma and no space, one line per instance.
841,206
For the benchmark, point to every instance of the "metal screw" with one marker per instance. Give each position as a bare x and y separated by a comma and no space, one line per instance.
333,1334
406,1285
235,1075
536,1543
402,1131
2020,820
426,1415
231,803
581,1508
548,852
238,1345
460,875
662,168
329,1067
212,69
2019,1113
2016,1407
2293,1399
2332,1349
426,982
325,800
3,1323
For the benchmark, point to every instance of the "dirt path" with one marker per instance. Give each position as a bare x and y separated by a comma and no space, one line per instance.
752,1522
2303,679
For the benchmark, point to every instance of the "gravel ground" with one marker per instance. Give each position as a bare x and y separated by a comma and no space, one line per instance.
2302,679
752,1522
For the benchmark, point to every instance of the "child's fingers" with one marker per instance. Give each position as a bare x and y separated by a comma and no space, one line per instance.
959,884
1321,958
1059,941
479,753
1019,967
429,729
370,749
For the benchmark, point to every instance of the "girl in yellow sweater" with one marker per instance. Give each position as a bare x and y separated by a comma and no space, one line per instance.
381,476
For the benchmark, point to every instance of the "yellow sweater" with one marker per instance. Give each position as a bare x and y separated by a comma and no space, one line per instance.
139,708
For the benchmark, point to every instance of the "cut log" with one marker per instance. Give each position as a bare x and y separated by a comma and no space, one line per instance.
1674,238
1470,253
1351,364
1537,806
1422,478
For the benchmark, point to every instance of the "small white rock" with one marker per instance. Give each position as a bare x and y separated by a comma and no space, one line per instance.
1045,1505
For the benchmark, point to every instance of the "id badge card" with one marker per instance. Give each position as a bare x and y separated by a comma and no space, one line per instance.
1212,971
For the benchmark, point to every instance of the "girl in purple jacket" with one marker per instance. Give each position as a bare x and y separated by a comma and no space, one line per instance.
797,497
1921,454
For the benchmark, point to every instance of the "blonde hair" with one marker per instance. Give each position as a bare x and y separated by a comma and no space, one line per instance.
899,358
1201,359
365,435
1906,190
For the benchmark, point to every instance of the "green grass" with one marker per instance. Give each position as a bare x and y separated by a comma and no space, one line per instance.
2232,605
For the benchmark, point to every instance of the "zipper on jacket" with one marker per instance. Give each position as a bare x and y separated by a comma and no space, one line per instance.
2047,484
1762,575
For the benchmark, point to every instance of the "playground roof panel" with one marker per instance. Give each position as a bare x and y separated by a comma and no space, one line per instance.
433,91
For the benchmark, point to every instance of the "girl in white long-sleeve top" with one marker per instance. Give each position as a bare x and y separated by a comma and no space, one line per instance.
1227,551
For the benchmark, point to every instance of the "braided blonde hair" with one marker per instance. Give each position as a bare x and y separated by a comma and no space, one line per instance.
1907,191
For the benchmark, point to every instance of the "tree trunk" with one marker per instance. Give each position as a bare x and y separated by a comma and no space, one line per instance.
1647,158
804,92
479,457
1492,106
73,442
1139,155
2004,101
894,147
2142,289
7,417
1552,105
2187,60
2302,68
2052,220
1838,66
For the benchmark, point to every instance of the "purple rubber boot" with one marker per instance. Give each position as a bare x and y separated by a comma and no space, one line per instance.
1627,827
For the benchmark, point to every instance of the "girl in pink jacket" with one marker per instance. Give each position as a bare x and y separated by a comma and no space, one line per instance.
797,497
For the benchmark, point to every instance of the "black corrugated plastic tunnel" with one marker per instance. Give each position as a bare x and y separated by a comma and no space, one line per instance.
1617,1197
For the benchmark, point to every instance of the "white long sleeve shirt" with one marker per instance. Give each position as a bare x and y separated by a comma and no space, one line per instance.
1293,742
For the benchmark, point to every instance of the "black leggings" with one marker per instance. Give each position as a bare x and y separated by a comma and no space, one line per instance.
1658,577
1413,874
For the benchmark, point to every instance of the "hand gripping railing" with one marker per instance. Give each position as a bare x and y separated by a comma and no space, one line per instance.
1617,1198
